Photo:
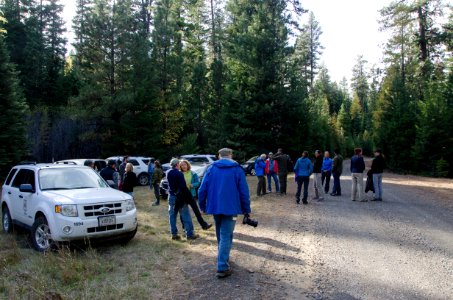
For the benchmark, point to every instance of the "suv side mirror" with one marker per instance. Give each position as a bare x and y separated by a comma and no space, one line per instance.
26,188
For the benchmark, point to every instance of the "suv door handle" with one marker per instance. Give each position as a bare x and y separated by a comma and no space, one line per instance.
20,196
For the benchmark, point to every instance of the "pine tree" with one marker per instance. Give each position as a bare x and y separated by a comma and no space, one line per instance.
13,143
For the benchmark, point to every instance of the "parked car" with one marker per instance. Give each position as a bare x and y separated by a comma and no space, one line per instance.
194,159
140,164
198,169
65,202
99,164
249,166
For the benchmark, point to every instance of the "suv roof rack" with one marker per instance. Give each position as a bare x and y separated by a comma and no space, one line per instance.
22,163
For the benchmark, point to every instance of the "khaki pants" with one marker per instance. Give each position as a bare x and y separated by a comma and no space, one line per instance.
317,185
357,179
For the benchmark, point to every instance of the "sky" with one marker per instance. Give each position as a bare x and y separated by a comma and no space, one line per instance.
350,28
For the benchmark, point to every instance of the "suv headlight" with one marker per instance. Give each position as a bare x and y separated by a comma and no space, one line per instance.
130,204
67,210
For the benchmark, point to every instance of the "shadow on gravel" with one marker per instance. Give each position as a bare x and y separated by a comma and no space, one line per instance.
264,240
250,250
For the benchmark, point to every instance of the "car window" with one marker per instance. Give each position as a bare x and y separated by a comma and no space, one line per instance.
99,165
69,178
24,176
10,176
145,161
133,162
198,160
213,157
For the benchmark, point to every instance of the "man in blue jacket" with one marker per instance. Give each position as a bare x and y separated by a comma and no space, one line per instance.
224,193
303,170
260,166
357,168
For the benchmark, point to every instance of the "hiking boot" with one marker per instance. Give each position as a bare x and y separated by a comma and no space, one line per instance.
176,237
224,274
156,204
207,226
364,200
193,237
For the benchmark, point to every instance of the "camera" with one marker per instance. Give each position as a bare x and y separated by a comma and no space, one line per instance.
247,220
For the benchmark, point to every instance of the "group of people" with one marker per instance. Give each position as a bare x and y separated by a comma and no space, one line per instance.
223,193
324,167
276,168
122,177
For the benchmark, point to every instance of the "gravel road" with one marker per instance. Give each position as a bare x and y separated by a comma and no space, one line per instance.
401,248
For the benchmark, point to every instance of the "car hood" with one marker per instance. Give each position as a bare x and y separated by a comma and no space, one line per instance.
86,196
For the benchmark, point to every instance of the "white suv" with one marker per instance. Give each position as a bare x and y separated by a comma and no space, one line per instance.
60,203
140,164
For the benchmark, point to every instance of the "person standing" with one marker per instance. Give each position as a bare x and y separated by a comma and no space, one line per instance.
110,173
150,172
177,187
357,168
157,176
284,162
326,171
337,169
224,193
271,171
317,170
193,182
260,166
122,170
129,179
377,168
303,170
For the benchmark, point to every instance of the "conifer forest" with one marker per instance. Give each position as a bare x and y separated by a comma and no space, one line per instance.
169,77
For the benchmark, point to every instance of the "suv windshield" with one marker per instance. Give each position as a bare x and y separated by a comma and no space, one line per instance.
69,178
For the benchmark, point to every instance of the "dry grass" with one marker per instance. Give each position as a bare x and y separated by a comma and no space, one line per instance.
145,268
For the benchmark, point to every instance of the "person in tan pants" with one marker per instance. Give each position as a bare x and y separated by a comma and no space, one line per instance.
357,168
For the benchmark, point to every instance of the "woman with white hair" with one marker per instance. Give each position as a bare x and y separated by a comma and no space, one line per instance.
129,179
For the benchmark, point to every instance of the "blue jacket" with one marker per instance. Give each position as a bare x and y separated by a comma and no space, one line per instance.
327,164
224,190
150,169
260,165
195,182
357,164
303,167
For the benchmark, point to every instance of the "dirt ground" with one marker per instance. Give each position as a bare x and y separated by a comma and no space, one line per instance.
401,248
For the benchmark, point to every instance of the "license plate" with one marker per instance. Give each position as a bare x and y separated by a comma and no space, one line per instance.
107,220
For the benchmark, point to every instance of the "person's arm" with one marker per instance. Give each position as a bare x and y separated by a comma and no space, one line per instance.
244,194
352,160
362,163
203,191
296,166
310,168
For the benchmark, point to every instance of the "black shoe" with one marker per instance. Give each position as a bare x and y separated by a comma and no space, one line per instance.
333,194
175,237
374,199
207,226
193,237
297,202
224,274
305,202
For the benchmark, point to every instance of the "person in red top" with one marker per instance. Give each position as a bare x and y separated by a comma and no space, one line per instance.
271,171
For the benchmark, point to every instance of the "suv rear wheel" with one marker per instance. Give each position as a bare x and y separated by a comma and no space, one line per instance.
143,179
40,235
7,222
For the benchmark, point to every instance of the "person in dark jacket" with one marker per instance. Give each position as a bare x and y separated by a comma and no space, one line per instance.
129,179
377,168
224,193
110,173
337,169
284,162
177,186
357,168
260,166
317,176
157,176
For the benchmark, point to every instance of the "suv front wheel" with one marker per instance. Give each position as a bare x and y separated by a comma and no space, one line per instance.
143,179
7,222
40,235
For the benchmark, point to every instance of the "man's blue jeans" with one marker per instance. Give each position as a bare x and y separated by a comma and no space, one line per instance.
224,227
377,182
305,181
185,216
269,185
336,183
